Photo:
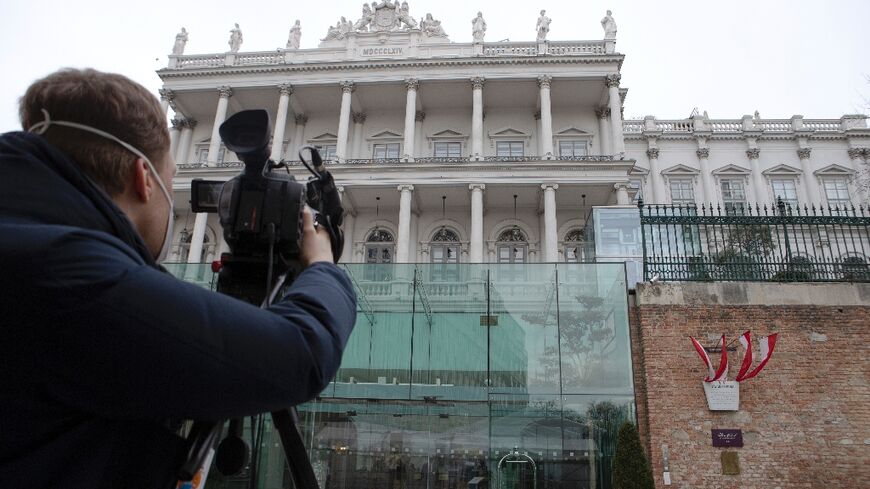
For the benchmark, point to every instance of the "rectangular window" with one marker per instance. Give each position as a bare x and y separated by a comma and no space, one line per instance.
385,151
682,192
327,151
837,192
509,149
786,190
572,148
447,149
202,154
733,196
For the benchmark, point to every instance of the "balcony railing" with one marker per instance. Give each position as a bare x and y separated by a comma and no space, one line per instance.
755,243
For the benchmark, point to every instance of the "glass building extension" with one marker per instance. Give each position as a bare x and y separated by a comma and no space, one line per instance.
510,376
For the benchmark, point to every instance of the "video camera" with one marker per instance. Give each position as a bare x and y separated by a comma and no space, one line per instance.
261,210
261,215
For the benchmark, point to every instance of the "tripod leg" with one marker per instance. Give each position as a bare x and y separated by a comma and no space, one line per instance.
294,450
204,434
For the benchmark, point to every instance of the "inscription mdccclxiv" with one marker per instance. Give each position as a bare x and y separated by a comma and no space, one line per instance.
384,51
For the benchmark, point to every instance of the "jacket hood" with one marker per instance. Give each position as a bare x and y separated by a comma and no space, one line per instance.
40,184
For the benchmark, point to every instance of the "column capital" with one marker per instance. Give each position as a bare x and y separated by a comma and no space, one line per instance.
359,117
340,188
419,116
477,82
602,112
177,124
477,186
412,83
225,91
652,153
166,94
703,153
190,123
753,153
550,186
301,119
804,153
620,186
405,188
285,89
544,81
347,86
612,80
855,153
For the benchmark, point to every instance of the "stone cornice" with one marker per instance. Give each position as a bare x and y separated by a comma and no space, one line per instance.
349,66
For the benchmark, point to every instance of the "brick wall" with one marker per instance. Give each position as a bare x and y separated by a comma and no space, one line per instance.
805,418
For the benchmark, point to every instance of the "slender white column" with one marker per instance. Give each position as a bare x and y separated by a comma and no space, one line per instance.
186,138
546,117
413,237
811,186
419,117
359,118
174,135
758,185
657,184
403,238
539,132
856,156
348,225
411,84
622,197
707,183
298,141
285,90
476,246
551,241
347,88
194,255
604,147
219,116
612,82
477,117
167,98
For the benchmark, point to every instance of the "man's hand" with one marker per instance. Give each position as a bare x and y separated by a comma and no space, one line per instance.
315,241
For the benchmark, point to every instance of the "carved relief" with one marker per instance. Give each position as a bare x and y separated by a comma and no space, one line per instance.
225,91
652,153
544,81
477,82
285,89
703,153
612,80
753,153
804,153
347,86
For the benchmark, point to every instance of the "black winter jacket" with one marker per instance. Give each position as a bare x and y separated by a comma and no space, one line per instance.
99,347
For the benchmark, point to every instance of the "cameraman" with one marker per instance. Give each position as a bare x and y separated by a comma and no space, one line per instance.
102,352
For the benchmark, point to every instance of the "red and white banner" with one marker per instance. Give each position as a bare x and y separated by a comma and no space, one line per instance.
766,346
721,373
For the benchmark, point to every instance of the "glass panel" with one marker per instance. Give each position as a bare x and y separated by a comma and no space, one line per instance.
682,192
382,151
447,150
837,192
509,148
785,190
572,148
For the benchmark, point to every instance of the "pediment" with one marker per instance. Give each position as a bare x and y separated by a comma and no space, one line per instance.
327,136
732,170
638,170
572,131
782,170
680,170
385,134
834,170
447,133
508,132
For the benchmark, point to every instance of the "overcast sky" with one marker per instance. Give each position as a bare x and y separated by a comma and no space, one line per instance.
780,57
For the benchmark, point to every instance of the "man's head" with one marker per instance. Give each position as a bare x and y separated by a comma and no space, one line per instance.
119,106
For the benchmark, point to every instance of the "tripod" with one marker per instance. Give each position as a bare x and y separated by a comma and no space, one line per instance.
233,451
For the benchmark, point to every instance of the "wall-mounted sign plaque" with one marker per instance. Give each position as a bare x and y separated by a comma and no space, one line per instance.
722,395
727,438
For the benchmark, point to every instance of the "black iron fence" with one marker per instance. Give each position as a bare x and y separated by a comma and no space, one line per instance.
777,243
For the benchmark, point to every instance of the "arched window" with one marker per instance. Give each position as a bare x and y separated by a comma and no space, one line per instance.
379,251
574,243
444,252
513,249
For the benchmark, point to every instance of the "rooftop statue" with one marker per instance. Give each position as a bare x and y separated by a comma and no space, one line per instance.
235,41
432,27
403,16
180,42
295,36
478,27
609,26
362,25
543,26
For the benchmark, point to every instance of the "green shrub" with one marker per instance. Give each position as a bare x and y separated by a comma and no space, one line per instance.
630,467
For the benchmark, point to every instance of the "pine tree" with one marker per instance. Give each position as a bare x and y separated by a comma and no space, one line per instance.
630,467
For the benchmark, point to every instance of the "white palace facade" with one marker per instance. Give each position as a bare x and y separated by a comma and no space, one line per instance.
483,151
